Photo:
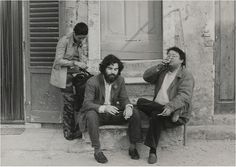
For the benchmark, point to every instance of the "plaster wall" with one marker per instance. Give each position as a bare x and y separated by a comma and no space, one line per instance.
197,21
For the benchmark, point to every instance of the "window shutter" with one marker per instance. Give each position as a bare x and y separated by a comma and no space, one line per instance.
43,32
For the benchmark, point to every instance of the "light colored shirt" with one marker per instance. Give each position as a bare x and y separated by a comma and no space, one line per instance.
107,93
162,96
108,98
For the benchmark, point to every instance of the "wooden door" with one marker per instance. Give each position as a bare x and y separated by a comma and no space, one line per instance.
11,70
43,101
131,29
225,57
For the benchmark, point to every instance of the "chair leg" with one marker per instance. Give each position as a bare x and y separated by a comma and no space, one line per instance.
185,135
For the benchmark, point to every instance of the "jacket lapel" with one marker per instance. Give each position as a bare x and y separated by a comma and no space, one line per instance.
177,77
159,83
114,89
102,85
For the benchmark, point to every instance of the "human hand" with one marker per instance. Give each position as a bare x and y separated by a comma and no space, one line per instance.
128,112
80,64
167,60
111,109
166,112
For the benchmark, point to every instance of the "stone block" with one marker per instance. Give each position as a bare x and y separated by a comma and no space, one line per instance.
115,137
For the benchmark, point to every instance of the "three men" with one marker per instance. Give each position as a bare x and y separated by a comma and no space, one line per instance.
106,102
171,105
71,58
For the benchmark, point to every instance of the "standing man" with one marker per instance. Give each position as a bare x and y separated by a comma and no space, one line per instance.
71,58
171,105
106,103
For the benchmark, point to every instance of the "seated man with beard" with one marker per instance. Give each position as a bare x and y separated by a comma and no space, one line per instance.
106,103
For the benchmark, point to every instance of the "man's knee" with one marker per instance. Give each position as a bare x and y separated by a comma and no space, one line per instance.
92,116
136,114
140,101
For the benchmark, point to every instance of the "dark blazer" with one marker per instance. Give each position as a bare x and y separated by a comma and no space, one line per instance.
95,96
180,91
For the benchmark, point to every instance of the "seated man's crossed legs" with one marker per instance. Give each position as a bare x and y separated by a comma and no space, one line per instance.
156,125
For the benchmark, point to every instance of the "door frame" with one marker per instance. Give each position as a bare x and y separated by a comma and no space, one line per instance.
219,106
17,116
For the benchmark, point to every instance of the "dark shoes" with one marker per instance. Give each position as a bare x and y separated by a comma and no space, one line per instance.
152,158
100,157
72,135
133,153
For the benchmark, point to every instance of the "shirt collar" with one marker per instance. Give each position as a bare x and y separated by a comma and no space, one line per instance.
72,40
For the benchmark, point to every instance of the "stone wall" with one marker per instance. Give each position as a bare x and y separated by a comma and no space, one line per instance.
197,21
74,11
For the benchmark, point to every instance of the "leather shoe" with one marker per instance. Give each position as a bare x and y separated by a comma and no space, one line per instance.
100,157
78,135
152,158
133,153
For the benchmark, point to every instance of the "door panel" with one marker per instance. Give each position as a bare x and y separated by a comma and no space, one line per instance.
225,57
11,62
131,29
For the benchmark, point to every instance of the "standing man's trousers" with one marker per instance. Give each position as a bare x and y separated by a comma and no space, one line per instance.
70,129
156,123
95,119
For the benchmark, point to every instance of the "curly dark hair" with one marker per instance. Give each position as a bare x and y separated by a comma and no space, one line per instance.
81,29
182,54
108,60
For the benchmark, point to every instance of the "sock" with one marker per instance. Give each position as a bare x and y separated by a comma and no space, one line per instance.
97,150
152,150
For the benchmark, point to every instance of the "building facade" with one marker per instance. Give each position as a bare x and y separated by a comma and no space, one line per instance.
139,32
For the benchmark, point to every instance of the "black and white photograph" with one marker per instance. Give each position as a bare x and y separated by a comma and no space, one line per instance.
117,82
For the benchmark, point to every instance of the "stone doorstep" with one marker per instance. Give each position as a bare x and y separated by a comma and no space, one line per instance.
115,136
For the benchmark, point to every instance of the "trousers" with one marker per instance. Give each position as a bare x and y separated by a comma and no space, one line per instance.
156,123
70,128
95,119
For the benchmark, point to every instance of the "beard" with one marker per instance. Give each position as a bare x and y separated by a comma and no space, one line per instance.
110,77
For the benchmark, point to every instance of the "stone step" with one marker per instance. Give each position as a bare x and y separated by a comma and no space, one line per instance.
136,68
223,119
140,90
217,119
115,137
211,132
